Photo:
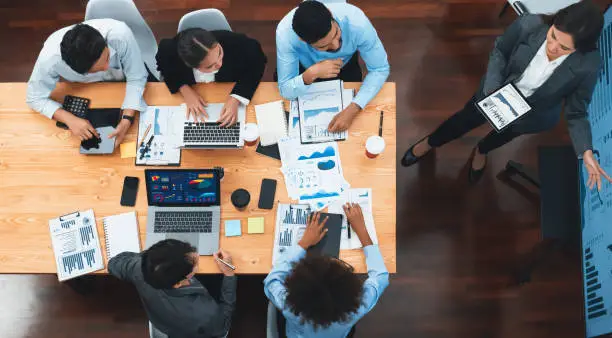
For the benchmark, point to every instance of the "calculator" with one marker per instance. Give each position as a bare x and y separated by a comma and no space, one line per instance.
78,106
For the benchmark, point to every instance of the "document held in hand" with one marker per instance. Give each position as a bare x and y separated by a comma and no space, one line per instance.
504,106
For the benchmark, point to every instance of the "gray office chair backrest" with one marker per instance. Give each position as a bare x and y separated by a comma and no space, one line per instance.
522,7
331,1
271,326
126,11
210,19
155,333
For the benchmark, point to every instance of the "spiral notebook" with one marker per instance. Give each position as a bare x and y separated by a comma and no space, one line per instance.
121,234
271,121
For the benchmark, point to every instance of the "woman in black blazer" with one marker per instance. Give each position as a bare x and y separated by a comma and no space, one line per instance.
197,55
551,61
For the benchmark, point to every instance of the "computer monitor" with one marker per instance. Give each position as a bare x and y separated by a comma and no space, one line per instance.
183,187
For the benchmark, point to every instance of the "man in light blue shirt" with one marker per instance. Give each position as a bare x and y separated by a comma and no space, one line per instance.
321,296
322,40
94,51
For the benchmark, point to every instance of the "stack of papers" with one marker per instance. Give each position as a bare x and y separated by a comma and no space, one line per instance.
313,172
161,144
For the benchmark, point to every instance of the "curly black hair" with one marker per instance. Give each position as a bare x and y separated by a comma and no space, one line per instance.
323,290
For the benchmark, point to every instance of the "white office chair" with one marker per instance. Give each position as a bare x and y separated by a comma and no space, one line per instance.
537,6
210,19
126,11
271,325
331,1
155,333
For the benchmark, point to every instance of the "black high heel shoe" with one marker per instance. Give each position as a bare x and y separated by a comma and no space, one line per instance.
409,157
475,175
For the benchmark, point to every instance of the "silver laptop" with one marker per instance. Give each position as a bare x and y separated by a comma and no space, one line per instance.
184,204
209,134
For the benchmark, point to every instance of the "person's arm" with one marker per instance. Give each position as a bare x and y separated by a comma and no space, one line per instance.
174,71
123,265
375,57
290,82
253,70
126,47
274,284
41,84
576,105
502,50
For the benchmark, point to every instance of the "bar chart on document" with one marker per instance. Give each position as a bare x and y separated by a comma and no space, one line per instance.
291,222
317,107
76,244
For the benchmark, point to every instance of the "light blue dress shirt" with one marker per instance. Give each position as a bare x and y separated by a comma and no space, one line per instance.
125,64
377,282
358,34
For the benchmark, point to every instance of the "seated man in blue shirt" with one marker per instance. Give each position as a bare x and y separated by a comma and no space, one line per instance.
321,42
92,51
176,303
321,296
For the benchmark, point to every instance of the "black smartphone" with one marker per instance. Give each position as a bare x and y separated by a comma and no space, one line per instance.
266,195
130,189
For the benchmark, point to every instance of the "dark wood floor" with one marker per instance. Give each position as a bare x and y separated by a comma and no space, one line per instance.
457,245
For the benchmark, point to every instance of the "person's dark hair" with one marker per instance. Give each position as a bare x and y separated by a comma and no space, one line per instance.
583,21
167,262
312,21
194,44
322,290
81,47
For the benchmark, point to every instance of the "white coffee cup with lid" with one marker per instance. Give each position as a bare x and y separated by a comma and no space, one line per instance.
375,145
251,134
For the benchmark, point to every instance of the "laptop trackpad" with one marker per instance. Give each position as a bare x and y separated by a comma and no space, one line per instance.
192,239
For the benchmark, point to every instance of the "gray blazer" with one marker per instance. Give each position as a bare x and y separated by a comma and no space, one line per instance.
180,313
574,81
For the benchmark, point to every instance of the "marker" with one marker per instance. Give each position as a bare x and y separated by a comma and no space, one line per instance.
381,124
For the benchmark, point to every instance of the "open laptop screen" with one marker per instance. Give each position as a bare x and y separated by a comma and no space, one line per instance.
183,187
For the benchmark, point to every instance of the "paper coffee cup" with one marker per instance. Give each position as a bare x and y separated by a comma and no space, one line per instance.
375,145
251,134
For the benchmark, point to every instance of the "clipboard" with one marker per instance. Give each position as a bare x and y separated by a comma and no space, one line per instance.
504,107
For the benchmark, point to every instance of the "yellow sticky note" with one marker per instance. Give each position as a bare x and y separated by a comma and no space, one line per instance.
128,150
256,225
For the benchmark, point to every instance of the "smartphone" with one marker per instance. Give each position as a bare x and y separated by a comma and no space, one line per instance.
266,195
130,188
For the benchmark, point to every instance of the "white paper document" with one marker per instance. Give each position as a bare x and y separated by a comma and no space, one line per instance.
504,106
161,145
271,122
363,197
317,107
76,244
291,220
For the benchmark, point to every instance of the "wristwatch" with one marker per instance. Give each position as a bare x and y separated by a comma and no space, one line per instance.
129,118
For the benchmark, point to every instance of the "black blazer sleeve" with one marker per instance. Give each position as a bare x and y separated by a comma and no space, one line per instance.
255,64
173,70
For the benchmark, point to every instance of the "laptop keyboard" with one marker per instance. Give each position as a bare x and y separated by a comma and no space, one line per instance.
183,221
211,133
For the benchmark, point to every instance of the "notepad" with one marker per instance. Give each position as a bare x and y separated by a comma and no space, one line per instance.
271,122
256,225
233,228
121,234
128,150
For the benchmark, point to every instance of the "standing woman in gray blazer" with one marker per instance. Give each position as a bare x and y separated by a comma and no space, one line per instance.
550,60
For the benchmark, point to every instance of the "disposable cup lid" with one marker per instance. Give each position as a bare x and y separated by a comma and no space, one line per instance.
375,144
251,132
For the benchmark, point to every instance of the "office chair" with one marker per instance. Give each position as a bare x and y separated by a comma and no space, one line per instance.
522,7
126,11
155,333
210,19
271,324
331,1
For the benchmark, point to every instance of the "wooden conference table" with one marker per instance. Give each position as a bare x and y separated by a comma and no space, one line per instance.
43,176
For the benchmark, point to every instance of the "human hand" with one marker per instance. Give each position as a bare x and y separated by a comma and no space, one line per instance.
354,217
120,132
81,128
224,255
594,169
328,69
315,231
229,113
343,120
196,105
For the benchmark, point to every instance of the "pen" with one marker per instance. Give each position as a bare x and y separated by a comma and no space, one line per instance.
348,228
144,136
226,263
381,124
